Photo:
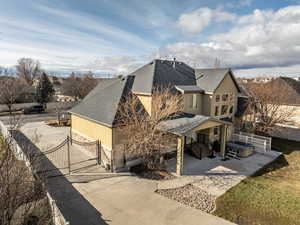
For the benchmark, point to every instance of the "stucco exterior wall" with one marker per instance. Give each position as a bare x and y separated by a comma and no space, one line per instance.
206,104
187,104
226,87
146,101
93,130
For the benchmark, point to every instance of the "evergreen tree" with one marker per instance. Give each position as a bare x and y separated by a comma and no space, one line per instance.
44,89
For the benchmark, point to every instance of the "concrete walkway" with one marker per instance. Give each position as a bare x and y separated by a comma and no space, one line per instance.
216,176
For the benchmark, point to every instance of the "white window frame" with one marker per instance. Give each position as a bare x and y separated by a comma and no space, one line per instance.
194,105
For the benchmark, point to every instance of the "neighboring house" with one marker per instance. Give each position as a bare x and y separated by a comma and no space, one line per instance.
291,88
210,103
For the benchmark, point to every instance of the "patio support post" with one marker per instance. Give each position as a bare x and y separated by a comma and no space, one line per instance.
223,140
180,154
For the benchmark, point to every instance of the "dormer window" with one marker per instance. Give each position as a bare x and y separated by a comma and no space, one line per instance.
217,98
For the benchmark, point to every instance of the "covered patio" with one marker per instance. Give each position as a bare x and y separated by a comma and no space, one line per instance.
186,126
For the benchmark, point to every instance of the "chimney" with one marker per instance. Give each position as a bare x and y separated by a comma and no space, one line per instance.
174,62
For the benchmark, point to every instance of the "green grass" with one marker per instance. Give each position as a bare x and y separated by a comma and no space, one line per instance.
271,196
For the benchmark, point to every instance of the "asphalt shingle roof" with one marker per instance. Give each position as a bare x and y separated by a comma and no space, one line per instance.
209,79
102,103
189,89
185,123
162,73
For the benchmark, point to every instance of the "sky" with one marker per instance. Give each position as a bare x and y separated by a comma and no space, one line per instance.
253,37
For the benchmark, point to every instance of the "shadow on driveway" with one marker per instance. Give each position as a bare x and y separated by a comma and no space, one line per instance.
74,207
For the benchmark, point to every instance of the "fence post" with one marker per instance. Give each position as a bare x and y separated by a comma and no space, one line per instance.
69,156
111,161
71,135
99,152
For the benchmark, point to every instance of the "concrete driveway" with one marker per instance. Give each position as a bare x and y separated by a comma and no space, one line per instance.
121,201
103,198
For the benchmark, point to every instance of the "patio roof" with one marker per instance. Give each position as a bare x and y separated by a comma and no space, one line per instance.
188,122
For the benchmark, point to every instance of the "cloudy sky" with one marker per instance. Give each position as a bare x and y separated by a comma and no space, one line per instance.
253,37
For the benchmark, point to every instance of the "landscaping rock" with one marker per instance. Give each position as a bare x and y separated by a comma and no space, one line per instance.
191,196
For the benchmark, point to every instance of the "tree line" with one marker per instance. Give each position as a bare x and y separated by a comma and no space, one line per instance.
32,83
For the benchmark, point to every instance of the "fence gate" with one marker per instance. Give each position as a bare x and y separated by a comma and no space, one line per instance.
71,156
84,155
54,161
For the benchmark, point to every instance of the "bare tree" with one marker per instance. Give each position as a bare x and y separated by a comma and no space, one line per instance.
28,69
10,90
78,86
267,106
144,138
22,196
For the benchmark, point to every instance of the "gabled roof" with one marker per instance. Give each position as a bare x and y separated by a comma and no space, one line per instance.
210,79
101,104
162,73
242,106
186,123
189,89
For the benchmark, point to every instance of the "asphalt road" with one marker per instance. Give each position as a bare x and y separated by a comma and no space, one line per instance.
31,117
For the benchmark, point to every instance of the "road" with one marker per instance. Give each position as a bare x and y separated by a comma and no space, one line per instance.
31,118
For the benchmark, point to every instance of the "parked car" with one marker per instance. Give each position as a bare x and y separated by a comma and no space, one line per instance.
34,109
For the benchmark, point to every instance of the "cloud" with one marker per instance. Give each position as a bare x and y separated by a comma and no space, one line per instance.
116,64
239,4
262,39
195,21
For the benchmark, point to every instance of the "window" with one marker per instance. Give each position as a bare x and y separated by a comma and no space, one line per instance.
216,110
217,98
224,97
224,109
194,101
190,100
216,130
231,110
231,97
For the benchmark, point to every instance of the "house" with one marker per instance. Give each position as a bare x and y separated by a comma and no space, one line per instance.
290,101
210,103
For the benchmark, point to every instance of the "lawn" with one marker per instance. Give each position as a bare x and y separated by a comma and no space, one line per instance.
271,196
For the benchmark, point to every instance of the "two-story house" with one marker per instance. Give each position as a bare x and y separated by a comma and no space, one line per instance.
210,102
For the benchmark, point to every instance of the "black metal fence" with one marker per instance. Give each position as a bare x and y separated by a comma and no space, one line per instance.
60,156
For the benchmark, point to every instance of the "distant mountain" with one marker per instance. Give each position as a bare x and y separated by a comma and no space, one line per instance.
11,71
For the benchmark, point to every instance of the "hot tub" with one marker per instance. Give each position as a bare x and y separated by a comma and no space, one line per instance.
243,149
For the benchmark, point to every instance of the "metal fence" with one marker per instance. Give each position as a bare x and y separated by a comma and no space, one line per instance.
261,143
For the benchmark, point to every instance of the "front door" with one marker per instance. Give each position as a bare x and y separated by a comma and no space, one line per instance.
202,138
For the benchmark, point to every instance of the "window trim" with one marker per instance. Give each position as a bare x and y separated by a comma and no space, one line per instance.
226,96
216,129
217,110
230,111
194,101
226,111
